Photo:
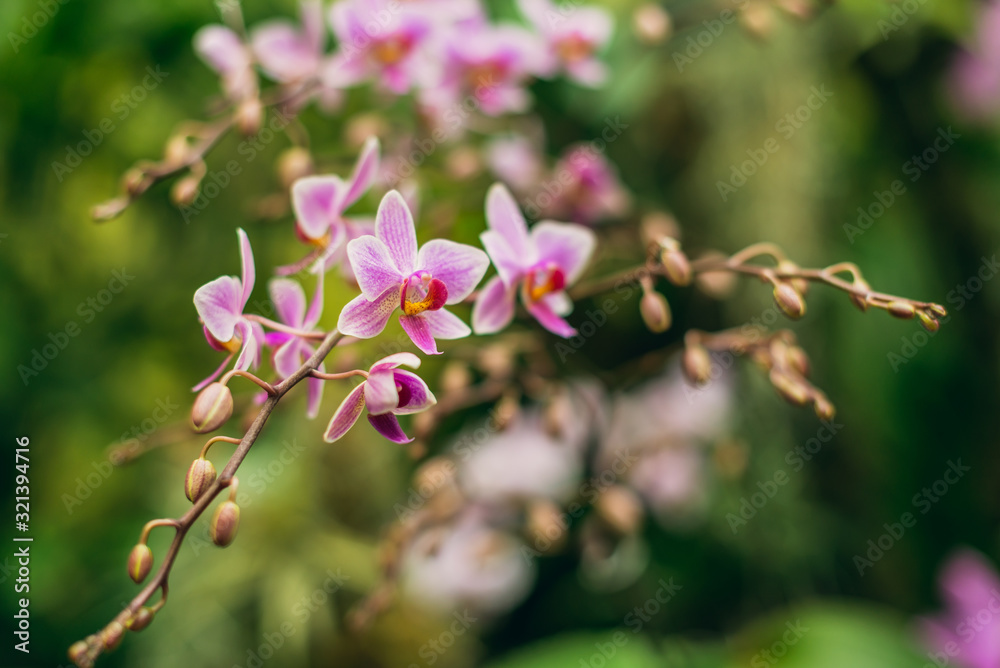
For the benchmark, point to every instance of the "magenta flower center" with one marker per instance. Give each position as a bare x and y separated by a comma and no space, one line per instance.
404,395
422,292
543,279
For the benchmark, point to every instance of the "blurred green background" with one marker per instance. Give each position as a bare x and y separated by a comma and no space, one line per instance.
326,511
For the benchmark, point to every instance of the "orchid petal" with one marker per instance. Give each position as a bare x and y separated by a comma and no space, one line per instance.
374,267
289,300
388,426
446,325
282,51
314,393
418,329
221,48
395,228
253,336
459,266
364,172
415,396
381,395
494,308
567,244
213,375
364,319
317,202
544,314
504,216
315,311
287,357
559,302
246,264
509,264
218,306
346,414
393,361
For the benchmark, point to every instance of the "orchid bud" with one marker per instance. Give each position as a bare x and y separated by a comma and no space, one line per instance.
938,310
697,364
800,284
620,508
212,407
249,116
78,652
558,414
185,190
716,284
133,180
824,409
758,19
142,618
900,309
789,300
140,562
112,635
200,477
676,266
655,311
293,164
225,522
651,23
789,388
657,225
463,163
456,377
546,525
929,322
177,150
798,359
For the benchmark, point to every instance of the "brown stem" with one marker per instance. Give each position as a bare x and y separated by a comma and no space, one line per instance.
85,655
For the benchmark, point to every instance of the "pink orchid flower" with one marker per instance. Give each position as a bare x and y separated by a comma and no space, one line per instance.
968,631
220,305
393,274
975,79
593,190
319,203
290,350
291,55
489,63
572,37
380,39
543,263
386,392
224,51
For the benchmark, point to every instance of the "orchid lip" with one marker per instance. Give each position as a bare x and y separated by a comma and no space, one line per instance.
422,292
543,279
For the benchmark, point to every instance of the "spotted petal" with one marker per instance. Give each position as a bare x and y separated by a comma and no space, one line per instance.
365,319
346,414
395,228
418,329
459,266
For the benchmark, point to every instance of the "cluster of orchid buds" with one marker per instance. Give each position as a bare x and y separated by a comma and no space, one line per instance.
441,53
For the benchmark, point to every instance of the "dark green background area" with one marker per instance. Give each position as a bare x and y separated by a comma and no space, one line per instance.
686,129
